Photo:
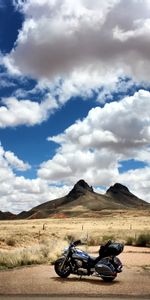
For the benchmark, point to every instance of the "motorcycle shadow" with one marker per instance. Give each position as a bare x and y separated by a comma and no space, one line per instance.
93,281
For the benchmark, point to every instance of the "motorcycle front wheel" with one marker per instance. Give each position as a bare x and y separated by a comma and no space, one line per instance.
62,272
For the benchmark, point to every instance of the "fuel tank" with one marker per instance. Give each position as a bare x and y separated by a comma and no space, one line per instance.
81,255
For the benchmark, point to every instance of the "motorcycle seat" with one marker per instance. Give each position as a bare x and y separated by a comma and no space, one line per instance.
92,260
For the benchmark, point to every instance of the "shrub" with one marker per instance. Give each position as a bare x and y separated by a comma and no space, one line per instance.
130,241
94,241
143,240
45,251
98,240
106,238
22,257
11,242
70,238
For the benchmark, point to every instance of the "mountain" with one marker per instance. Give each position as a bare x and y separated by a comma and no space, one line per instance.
121,194
7,215
82,201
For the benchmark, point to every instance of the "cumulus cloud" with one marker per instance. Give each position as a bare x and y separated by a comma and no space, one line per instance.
9,160
14,112
117,125
6,172
94,147
18,193
138,181
87,83
15,162
60,37
79,48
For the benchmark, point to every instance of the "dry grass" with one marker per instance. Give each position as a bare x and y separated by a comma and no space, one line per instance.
46,252
26,242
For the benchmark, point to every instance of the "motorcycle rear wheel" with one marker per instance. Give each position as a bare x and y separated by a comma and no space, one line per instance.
108,279
63,273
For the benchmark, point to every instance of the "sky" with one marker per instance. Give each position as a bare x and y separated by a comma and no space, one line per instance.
74,98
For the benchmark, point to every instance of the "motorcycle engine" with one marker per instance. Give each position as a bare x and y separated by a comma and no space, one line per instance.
81,270
78,263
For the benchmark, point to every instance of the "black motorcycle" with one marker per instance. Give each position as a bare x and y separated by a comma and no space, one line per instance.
78,262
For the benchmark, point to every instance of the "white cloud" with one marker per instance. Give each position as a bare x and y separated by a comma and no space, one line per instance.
81,47
82,83
86,83
18,193
5,172
60,37
9,161
92,148
75,48
15,162
70,167
138,181
89,149
4,83
117,125
16,112
5,80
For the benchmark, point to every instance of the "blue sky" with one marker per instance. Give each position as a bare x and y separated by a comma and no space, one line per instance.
74,98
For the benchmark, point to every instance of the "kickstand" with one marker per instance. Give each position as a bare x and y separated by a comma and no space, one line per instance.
80,277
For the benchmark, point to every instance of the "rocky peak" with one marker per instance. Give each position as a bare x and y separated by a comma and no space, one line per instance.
118,188
79,189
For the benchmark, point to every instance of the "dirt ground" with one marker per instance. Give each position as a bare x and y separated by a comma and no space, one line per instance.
115,225
42,280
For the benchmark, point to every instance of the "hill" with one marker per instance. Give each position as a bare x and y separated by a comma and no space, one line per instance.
82,201
7,215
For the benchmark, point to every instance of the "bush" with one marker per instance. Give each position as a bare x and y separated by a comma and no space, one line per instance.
45,252
70,238
94,241
130,241
143,240
98,240
21,257
11,242
106,238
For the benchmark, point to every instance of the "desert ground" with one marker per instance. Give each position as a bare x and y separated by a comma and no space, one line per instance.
107,224
42,280
28,242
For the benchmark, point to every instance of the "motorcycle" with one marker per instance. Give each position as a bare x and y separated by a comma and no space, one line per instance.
78,262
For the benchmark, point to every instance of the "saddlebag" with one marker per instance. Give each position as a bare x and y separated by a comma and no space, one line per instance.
105,268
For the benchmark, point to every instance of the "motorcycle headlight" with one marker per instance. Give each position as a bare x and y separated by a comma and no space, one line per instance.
64,252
